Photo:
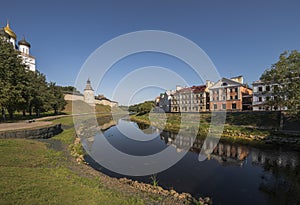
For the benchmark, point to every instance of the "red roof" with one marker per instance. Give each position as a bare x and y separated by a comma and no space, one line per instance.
194,89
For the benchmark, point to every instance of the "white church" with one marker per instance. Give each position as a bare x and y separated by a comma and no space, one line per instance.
23,46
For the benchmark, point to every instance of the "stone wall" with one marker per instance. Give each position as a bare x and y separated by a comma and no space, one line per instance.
106,102
38,133
71,97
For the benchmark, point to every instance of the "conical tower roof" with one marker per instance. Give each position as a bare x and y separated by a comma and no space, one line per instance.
88,85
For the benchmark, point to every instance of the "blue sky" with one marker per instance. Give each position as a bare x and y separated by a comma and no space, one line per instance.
241,37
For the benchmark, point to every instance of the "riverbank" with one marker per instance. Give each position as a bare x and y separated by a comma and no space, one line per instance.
50,171
253,129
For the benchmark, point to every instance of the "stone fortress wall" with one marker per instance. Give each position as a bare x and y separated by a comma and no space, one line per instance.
72,97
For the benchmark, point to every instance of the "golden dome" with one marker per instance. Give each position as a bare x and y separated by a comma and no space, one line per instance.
10,32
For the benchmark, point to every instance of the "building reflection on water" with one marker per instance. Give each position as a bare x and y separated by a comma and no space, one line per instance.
276,171
231,154
226,154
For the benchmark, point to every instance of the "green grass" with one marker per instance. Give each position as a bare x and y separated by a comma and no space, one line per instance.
31,173
82,107
154,180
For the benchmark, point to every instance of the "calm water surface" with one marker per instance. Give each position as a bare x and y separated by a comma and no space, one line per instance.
232,174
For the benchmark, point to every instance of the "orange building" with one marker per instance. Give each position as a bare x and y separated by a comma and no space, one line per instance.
230,95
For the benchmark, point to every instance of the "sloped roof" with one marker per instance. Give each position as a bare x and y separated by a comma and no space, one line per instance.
227,81
194,89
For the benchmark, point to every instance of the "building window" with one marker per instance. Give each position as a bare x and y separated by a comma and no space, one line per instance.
236,90
259,99
259,108
267,88
231,97
236,97
215,106
231,90
224,98
224,106
260,89
233,106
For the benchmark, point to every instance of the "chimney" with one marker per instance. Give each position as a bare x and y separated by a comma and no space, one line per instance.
178,87
209,83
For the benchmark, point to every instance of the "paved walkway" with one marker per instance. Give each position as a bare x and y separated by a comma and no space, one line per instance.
40,122
22,125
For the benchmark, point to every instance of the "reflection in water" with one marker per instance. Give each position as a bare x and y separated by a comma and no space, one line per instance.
255,176
142,126
90,134
108,125
228,153
280,179
225,154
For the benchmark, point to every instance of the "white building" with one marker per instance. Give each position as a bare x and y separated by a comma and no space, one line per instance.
263,92
23,46
89,96
165,100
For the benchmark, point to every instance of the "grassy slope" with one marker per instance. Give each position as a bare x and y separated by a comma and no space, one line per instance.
31,173
82,105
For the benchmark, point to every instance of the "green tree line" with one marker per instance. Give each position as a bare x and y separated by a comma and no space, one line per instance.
142,108
22,90
284,75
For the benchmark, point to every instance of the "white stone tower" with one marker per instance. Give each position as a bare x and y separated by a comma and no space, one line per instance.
24,48
89,96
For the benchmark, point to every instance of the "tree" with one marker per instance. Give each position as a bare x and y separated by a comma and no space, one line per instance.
69,89
142,108
12,77
57,100
284,75
41,101
22,89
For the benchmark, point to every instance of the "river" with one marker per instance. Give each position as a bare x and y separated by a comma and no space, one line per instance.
232,174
